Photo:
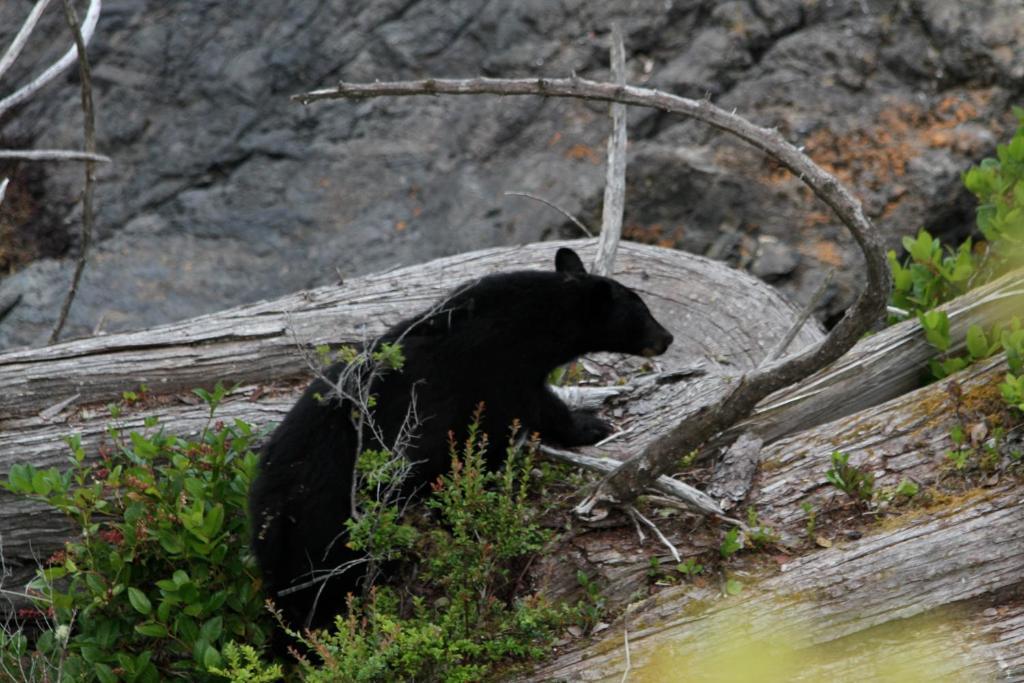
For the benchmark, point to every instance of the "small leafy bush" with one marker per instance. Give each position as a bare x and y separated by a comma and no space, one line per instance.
731,543
855,482
999,186
465,618
155,581
931,274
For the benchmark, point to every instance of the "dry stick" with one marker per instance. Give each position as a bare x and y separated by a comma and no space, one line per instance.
695,500
615,175
637,473
579,224
3,188
52,155
92,15
801,319
90,166
23,33
639,517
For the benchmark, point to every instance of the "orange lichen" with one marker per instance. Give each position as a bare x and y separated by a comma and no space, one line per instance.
822,250
655,233
582,152
875,155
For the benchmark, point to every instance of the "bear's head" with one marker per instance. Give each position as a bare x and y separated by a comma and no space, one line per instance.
616,318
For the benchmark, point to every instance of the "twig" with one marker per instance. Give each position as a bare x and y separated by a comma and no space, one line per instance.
579,224
53,155
92,15
22,38
640,535
636,514
801,319
90,166
615,435
694,499
55,410
8,301
615,175
3,188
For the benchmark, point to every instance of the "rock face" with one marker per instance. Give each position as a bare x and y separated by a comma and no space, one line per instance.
223,191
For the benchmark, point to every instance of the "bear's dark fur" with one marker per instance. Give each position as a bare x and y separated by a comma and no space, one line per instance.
495,341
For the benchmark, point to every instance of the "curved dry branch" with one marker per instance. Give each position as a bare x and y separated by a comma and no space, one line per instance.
23,33
92,15
638,473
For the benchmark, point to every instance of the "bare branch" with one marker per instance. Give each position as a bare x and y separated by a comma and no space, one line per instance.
694,499
19,40
638,517
53,155
781,347
90,166
615,176
637,473
579,224
92,15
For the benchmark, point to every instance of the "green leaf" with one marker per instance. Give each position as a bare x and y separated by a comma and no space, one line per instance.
20,478
211,658
936,328
211,630
105,673
171,542
977,342
41,485
151,629
924,249
139,600
733,587
214,521
907,488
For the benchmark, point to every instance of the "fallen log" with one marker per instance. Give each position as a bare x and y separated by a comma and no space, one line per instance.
945,577
49,393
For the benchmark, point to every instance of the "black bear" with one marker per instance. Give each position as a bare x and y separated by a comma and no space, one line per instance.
494,340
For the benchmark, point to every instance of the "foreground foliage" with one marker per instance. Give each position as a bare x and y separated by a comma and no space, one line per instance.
153,583
158,582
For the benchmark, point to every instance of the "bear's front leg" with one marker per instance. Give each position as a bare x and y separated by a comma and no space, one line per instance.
560,425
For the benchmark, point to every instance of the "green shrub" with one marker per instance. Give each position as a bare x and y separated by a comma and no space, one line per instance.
466,617
157,577
933,274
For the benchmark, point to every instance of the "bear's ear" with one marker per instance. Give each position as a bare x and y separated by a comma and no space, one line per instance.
568,261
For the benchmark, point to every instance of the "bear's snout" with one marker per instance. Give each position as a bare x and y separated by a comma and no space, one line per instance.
662,339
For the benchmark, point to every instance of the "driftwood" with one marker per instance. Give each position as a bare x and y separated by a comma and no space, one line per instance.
48,393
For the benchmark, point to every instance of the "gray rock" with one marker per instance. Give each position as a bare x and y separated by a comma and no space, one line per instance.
224,191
